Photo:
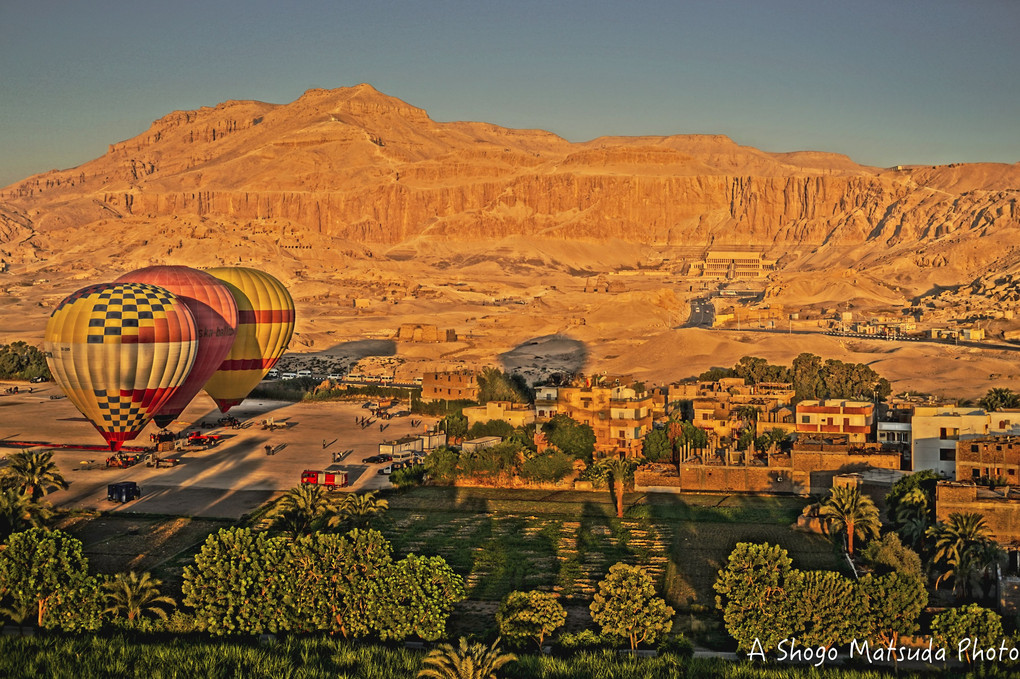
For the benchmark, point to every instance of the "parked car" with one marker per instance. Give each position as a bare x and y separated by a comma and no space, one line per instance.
372,459
37,380
387,470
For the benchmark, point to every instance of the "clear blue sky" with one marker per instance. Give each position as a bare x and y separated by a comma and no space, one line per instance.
883,81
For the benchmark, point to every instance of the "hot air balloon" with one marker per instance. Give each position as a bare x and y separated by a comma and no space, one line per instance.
118,351
215,312
265,323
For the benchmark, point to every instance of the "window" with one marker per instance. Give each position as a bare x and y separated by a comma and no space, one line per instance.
974,473
805,419
974,448
947,454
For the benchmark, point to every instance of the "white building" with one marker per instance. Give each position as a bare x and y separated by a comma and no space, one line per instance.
545,403
935,431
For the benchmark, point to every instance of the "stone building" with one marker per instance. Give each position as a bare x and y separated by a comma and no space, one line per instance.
449,386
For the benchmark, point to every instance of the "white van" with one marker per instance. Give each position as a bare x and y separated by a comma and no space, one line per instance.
304,373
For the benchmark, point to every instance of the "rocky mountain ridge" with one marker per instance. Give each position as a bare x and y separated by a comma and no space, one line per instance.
356,166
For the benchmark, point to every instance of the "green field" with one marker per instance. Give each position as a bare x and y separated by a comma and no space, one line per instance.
119,656
565,541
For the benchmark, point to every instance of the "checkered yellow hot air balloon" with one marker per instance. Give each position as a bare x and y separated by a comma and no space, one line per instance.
265,324
119,351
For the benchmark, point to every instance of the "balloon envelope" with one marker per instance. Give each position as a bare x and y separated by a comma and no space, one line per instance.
118,351
265,324
215,312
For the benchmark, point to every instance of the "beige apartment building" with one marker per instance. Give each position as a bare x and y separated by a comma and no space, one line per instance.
619,415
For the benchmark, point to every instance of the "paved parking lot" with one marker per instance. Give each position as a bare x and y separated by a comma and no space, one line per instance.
228,480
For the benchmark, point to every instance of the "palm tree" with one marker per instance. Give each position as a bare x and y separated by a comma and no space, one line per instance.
621,472
33,473
912,515
998,398
301,508
467,661
135,595
18,512
850,511
358,510
964,545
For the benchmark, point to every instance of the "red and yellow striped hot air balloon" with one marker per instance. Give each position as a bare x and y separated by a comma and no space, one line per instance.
119,351
265,324
215,311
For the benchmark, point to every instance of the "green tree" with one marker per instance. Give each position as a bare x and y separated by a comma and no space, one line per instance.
500,428
807,377
892,603
21,361
45,573
550,467
419,597
621,472
302,509
338,584
465,661
358,510
133,596
572,437
657,447
750,591
441,464
955,625
849,511
18,512
33,473
821,601
238,583
494,385
530,615
455,425
626,606
888,554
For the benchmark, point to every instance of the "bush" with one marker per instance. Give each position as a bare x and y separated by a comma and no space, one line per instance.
408,477
586,640
677,645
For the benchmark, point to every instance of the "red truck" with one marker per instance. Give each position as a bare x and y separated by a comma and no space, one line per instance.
205,440
332,480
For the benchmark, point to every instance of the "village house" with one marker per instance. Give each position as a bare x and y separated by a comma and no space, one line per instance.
856,419
515,414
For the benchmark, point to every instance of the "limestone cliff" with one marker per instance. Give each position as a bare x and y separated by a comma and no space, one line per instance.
357,165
